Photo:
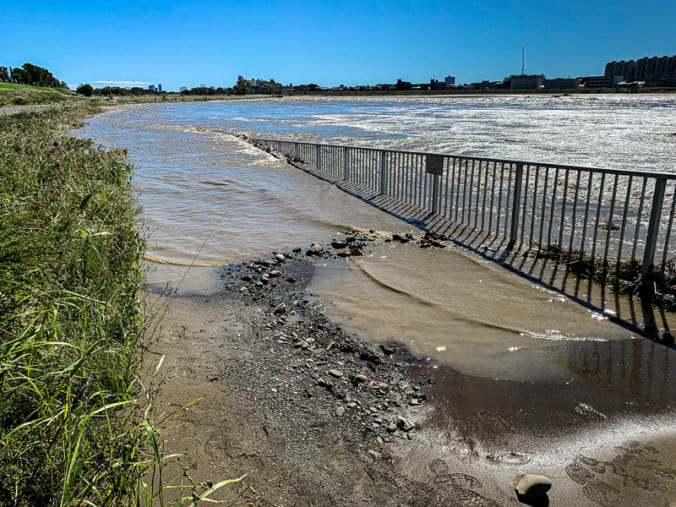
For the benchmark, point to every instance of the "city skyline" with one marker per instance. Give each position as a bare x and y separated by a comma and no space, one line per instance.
350,43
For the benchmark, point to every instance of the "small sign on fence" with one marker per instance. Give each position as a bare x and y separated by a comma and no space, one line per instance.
434,164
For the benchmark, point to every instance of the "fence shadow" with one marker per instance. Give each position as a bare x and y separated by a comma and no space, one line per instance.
635,313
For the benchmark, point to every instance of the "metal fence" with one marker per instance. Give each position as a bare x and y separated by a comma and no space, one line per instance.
608,216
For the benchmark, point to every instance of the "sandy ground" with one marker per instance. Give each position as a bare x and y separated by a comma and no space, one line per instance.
311,415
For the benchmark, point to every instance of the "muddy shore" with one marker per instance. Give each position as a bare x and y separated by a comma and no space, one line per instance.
313,415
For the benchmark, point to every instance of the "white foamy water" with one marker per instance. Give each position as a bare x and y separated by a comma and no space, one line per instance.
211,199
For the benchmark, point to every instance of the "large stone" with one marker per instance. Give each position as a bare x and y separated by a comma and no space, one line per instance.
533,486
405,424
316,249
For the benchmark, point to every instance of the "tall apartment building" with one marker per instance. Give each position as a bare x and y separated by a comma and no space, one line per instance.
655,71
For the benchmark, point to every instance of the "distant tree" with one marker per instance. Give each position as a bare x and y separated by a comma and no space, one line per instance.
4,74
183,90
41,76
33,74
243,86
85,89
270,88
20,76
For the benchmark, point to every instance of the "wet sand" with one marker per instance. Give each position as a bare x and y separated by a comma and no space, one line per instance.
261,354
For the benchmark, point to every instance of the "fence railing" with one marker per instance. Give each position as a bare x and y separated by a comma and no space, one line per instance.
608,218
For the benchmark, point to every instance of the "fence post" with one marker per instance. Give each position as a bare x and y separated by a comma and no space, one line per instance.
435,193
295,149
516,206
383,172
319,157
653,230
346,163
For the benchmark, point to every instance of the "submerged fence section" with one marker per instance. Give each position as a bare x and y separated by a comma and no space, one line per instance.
612,220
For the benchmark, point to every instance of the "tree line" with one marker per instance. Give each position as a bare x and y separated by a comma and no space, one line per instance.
243,86
32,75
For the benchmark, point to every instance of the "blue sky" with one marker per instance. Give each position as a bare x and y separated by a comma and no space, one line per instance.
180,43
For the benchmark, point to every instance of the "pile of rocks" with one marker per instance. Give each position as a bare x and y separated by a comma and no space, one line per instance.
361,384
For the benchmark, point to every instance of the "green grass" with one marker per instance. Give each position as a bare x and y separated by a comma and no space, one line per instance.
77,427
72,430
17,94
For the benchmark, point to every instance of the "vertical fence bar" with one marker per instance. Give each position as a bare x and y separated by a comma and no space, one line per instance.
525,180
610,224
624,223
653,227
573,222
638,219
552,208
598,216
564,200
383,172
516,202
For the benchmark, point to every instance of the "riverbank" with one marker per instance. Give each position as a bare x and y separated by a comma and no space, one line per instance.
71,331
313,415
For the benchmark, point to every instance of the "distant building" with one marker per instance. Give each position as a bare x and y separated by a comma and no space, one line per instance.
561,83
526,82
599,81
159,88
403,85
435,84
655,71
449,81
152,88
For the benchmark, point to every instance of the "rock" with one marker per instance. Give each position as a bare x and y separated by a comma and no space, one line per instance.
280,309
388,349
351,252
400,239
315,249
246,278
275,273
336,373
404,424
533,486
280,257
361,378
375,454
340,411
338,244
391,427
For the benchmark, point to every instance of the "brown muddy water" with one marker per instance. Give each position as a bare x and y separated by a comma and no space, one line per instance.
209,199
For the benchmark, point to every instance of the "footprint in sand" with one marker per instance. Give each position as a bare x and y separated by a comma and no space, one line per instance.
634,474
460,486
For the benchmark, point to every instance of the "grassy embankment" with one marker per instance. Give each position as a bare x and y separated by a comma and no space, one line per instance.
18,95
73,430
